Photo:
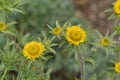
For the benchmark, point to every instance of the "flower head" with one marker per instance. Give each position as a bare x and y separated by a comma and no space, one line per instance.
33,50
117,7
117,67
75,35
57,30
105,42
2,26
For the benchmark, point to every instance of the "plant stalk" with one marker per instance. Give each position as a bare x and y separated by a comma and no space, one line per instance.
81,62
3,76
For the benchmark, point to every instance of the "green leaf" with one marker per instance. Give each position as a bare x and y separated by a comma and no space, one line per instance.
92,61
65,25
107,52
49,27
48,74
107,33
11,23
9,33
44,35
57,24
99,34
52,50
44,58
113,34
109,10
15,10
61,44
2,66
112,16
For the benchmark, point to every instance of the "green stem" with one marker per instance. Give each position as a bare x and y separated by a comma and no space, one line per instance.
3,76
88,54
117,54
42,68
116,22
82,72
29,64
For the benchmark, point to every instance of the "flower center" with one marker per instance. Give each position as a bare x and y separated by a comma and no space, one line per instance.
119,7
2,25
75,35
33,50
105,42
56,31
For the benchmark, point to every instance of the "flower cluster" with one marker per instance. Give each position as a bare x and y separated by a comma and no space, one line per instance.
70,39
73,35
117,11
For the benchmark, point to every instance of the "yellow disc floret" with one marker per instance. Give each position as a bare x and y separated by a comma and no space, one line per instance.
33,50
75,35
117,7
57,31
105,42
2,26
117,67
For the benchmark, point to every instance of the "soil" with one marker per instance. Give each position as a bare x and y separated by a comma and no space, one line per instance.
94,12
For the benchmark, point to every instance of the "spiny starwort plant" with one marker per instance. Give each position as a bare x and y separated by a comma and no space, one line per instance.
7,10
8,7
56,31
27,57
73,36
105,42
9,58
34,51
8,54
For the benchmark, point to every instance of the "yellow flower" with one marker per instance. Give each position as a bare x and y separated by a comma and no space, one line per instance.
117,67
105,42
117,7
57,30
2,26
33,50
75,35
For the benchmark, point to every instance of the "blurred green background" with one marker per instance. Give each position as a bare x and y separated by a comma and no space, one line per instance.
39,13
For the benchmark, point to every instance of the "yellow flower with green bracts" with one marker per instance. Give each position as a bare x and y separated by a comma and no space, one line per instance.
75,35
105,42
57,30
117,7
117,67
33,50
2,26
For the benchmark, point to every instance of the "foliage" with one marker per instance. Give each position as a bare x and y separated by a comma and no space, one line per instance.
62,52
